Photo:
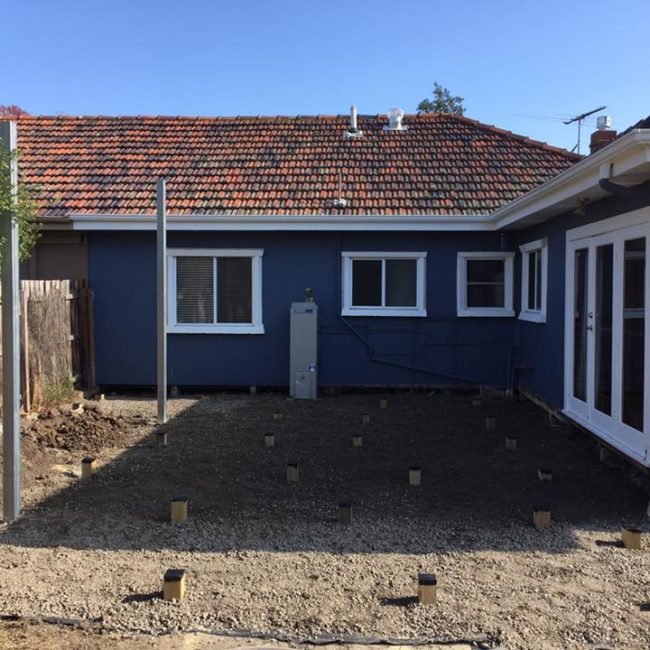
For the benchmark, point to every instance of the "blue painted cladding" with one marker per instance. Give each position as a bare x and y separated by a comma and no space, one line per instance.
439,349
541,345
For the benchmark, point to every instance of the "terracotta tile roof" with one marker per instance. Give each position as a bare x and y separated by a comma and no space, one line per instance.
442,165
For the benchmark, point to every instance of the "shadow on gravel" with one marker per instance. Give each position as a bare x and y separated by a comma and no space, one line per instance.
474,495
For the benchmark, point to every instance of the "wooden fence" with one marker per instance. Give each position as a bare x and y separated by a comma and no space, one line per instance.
56,339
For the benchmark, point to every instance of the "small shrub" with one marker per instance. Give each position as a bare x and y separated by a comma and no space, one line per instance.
59,391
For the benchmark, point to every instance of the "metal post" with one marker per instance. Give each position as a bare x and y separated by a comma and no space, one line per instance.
10,341
161,276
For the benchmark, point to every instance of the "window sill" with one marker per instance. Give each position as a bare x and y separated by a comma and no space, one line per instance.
533,316
384,312
216,329
485,312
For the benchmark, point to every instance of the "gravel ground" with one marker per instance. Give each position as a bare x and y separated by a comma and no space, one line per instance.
264,555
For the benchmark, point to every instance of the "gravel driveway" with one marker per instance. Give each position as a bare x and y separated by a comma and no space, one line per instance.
268,556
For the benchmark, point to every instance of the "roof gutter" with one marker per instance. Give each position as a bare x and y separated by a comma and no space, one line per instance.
311,223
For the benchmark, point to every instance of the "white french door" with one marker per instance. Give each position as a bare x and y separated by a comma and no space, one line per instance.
607,353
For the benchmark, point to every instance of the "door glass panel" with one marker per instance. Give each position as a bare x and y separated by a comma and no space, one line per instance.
634,332
603,328
580,325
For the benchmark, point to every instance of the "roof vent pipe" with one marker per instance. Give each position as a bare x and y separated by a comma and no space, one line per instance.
395,117
352,132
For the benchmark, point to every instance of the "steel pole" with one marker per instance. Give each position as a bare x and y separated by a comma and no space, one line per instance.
161,290
10,339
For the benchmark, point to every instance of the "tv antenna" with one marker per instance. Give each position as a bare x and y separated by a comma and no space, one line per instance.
580,119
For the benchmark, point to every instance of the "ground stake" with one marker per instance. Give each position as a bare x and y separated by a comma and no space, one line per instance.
179,510
631,538
427,586
174,584
88,465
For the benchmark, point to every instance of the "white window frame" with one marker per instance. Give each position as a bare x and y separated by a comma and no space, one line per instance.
525,312
348,309
255,327
461,285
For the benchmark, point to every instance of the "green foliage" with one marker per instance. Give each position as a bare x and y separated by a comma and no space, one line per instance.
443,102
24,209
59,391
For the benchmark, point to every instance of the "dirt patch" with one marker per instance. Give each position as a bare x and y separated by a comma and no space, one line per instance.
265,555
84,428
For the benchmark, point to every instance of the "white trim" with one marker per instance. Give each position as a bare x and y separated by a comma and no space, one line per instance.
461,285
632,218
254,327
348,309
525,312
309,223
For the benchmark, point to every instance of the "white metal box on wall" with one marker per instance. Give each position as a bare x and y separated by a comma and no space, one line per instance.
303,350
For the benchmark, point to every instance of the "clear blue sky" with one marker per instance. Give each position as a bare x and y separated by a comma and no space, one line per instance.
507,58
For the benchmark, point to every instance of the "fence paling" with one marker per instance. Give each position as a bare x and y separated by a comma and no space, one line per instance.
56,337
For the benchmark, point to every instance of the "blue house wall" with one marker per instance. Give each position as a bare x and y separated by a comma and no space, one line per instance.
539,347
438,349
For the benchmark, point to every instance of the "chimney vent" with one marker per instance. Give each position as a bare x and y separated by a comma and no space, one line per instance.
603,122
604,135
395,117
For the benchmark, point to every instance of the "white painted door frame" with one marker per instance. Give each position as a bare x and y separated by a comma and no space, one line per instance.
610,427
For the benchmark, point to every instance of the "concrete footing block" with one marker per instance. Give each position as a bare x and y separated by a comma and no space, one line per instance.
491,423
174,584
631,538
277,416
544,474
415,475
365,419
179,510
88,467
293,473
383,403
345,512
427,587
542,517
511,444
269,440
357,440
161,438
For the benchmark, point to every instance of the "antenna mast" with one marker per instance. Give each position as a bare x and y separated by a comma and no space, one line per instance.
579,119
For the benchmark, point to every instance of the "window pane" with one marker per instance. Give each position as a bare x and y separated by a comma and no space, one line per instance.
485,295
401,283
634,332
234,290
580,324
532,279
603,327
194,287
366,283
538,280
485,271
